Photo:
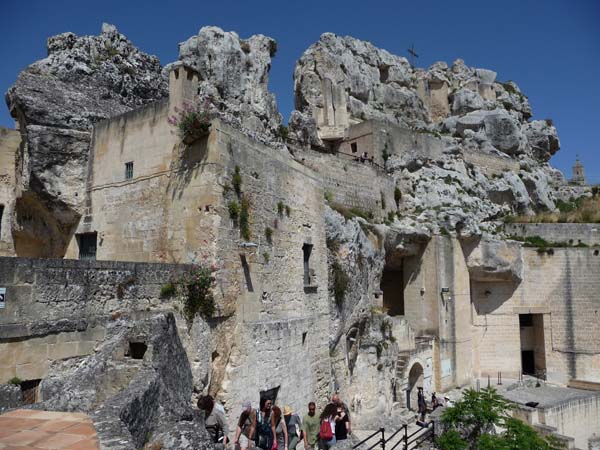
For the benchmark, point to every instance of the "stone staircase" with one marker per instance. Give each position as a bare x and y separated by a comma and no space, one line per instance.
401,363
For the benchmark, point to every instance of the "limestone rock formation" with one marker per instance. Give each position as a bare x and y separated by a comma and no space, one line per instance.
235,75
445,112
85,79
55,101
342,80
137,384
490,259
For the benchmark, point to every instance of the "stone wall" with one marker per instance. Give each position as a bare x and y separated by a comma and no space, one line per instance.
281,317
568,233
562,286
57,309
578,418
177,208
352,183
491,164
9,145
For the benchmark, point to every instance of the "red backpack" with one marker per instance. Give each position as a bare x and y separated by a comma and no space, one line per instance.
325,431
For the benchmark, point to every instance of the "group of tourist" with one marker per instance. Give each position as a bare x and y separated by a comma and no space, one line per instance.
270,428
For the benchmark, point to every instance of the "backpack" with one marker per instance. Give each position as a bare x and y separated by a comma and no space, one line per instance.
263,431
325,431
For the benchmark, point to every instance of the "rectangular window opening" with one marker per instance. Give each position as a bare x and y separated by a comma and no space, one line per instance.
354,147
129,170
307,249
1,215
29,389
87,245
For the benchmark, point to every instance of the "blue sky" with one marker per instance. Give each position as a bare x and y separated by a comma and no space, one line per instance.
550,48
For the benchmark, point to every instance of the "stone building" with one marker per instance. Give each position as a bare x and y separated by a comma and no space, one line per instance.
371,260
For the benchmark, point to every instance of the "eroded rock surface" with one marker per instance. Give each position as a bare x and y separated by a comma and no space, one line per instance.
235,75
138,384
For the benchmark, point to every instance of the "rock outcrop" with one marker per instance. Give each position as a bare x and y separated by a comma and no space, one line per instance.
137,387
55,102
449,111
235,75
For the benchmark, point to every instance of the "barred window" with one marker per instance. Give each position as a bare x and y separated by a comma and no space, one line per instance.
129,170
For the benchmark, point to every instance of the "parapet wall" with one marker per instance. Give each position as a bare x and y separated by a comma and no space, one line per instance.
57,309
491,164
567,233
351,183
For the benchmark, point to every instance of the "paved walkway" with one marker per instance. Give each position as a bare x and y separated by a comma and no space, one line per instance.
33,429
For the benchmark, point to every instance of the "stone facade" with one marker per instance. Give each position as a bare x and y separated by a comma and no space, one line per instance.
558,233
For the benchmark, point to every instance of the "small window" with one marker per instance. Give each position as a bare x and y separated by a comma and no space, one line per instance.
87,245
129,170
1,214
354,147
307,249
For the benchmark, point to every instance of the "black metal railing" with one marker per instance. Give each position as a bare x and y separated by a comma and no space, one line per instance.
409,441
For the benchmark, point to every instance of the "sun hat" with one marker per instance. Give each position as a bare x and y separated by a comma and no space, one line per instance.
287,409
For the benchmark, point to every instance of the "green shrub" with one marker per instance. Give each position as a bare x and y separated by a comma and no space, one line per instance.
236,181
196,288
269,234
168,290
328,196
283,132
15,381
266,257
280,208
245,219
234,210
340,283
191,122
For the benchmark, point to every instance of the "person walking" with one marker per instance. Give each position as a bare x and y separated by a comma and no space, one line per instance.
345,418
214,421
264,437
327,426
421,404
279,430
293,425
246,427
310,427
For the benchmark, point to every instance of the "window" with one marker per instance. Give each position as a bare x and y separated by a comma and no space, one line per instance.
87,245
307,249
1,214
129,170
354,147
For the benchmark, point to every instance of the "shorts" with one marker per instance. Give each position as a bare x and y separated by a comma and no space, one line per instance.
245,442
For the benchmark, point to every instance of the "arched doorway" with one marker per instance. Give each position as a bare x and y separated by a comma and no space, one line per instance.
415,380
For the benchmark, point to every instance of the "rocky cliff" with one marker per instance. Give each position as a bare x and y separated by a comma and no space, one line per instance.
235,75
55,102
340,81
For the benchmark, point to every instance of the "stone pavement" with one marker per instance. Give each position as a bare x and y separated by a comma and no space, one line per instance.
33,429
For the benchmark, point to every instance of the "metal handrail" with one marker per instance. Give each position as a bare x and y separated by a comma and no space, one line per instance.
366,439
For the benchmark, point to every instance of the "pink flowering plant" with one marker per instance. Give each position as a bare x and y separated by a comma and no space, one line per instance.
192,122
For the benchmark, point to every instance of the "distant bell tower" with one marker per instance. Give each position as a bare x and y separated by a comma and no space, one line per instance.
578,174
183,85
